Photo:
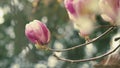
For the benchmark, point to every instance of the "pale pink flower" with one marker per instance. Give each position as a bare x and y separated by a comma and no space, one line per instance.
82,13
110,10
78,8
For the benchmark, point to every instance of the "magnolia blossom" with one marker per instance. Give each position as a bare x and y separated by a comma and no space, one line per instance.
37,32
110,10
82,13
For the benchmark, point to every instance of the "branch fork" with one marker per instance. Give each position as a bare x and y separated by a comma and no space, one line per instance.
111,28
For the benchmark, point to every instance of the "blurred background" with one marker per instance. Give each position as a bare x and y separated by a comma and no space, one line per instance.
17,52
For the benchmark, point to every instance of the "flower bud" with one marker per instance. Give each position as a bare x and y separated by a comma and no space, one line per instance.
37,32
110,10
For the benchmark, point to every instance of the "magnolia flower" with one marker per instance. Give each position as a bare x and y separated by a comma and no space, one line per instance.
37,32
110,10
78,8
82,13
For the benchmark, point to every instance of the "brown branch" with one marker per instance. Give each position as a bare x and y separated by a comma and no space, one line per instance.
91,41
89,59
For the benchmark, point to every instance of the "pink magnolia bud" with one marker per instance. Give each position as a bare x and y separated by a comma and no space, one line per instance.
110,10
37,32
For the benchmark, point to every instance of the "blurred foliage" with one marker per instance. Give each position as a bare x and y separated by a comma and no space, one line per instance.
53,13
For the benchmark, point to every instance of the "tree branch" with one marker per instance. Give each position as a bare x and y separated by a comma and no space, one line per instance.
93,40
118,38
90,59
104,26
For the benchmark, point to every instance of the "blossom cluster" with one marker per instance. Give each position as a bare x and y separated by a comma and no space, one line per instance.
82,13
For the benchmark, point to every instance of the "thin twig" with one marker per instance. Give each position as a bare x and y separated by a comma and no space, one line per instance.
118,38
89,59
104,26
93,40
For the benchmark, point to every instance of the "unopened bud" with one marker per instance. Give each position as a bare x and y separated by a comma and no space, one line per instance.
37,33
